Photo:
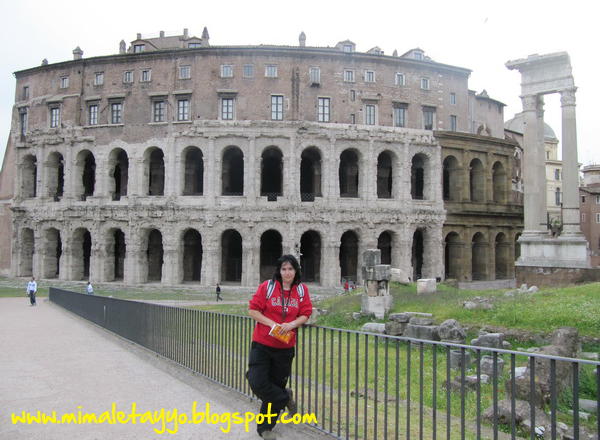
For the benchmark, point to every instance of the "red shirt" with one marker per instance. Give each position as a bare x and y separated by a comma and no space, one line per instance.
272,309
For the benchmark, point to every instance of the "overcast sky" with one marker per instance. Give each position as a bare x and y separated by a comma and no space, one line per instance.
477,35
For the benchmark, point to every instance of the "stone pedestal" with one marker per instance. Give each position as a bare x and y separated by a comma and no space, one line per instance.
376,276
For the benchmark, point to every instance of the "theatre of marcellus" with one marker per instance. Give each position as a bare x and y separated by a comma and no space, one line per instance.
175,161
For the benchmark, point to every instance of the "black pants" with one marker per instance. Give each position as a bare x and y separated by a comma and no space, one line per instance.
268,372
32,297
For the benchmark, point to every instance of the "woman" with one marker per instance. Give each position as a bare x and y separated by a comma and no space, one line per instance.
284,300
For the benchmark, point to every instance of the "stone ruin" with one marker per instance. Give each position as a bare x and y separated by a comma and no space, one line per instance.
377,300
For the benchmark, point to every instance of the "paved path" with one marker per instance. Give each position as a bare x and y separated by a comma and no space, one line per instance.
52,360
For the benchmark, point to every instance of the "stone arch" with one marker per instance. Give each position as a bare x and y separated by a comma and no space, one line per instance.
26,248
502,253
51,253
418,176
310,174
85,174
29,176
479,257
384,244
310,256
233,172
499,183
193,178
451,179
349,173
116,254
349,243
155,254
453,266
118,173
192,255
483,129
55,176
231,256
271,248
385,176
81,254
154,159
476,181
271,174
417,254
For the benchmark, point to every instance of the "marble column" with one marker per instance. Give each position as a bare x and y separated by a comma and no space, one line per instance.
570,167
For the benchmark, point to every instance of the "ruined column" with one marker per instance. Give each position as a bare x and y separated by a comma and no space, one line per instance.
570,167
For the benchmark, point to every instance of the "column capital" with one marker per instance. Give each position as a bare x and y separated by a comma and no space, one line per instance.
567,96
532,102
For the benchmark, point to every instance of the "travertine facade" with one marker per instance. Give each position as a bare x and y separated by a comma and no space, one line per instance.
175,162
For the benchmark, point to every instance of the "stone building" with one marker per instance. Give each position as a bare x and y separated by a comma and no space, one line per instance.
177,161
589,205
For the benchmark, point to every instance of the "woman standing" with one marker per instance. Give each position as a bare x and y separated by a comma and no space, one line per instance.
279,307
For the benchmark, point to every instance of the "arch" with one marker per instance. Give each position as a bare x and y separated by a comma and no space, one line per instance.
479,257
118,173
384,176
85,172
310,256
499,183
192,255
349,256
81,254
193,184
55,176
384,244
451,179
502,252
233,172
26,248
310,174
271,174
417,177
231,256
271,249
452,256
156,172
29,176
51,253
418,247
119,253
155,253
476,181
349,174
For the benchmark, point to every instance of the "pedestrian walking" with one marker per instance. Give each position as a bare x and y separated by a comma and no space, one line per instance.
218,292
31,290
90,289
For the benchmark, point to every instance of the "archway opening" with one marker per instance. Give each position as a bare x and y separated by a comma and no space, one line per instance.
310,258
192,255
231,256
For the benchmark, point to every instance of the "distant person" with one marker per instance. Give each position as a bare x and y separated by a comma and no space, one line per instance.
346,287
31,290
218,292
90,289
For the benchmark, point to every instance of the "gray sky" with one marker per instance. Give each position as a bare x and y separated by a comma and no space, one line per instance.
477,35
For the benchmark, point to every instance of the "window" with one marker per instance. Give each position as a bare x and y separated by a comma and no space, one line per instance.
226,71
116,113
158,111
428,114
557,197
352,95
400,116
347,48
453,123
597,200
139,48
271,71
598,217
349,75
452,98
583,199
22,121
183,110
93,114
370,114
25,93
418,55
582,218
324,109
556,174
194,45
353,118
128,76
425,83
64,82
248,70
369,76
400,80
184,72
98,78
315,75
54,117
277,108
146,75
227,109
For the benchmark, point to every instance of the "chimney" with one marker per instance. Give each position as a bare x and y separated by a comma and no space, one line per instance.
185,34
77,53
122,47
302,39
139,36
162,34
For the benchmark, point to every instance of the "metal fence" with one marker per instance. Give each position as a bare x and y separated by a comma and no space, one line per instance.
370,386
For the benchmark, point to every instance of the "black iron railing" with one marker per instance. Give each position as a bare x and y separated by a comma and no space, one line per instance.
365,385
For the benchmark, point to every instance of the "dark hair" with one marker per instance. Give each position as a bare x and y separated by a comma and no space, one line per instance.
292,260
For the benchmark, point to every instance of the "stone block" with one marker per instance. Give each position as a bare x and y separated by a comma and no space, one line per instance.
356,315
368,273
398,276
487,365
382,272
421,321
426,285
372,288
490,340
420,314
395,328
426,332
371,257
376,305
589,406
399,317
373,327
450,330
457,359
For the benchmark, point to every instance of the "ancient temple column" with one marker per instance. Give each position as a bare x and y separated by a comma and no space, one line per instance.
570,167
